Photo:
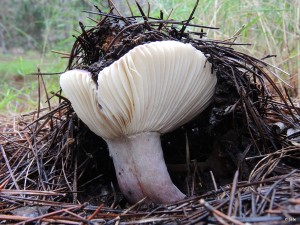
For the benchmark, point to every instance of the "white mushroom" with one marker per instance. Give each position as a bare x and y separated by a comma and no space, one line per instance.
151,90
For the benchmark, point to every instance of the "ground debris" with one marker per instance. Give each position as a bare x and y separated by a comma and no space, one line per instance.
243,154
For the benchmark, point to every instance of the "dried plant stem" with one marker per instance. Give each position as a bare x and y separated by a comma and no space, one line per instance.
9,168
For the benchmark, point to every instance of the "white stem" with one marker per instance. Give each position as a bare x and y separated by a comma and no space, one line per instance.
141,169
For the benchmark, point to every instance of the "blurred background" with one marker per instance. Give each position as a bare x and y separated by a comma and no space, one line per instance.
30,30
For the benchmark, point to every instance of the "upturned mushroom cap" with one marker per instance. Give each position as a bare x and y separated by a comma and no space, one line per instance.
153,89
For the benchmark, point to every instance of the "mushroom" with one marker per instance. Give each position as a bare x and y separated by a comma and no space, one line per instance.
151,90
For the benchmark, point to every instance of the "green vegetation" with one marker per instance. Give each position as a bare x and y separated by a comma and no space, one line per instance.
29,31
18,88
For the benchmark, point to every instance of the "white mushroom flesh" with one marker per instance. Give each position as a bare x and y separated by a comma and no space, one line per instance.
153,89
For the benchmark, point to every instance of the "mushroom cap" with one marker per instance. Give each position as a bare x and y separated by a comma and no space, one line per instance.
155,87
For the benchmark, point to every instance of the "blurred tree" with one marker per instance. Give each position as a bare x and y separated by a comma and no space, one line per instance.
37,24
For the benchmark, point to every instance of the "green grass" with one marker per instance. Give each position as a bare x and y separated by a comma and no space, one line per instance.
19,89
271,26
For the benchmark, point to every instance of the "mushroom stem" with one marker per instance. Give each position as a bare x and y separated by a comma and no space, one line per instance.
141,169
